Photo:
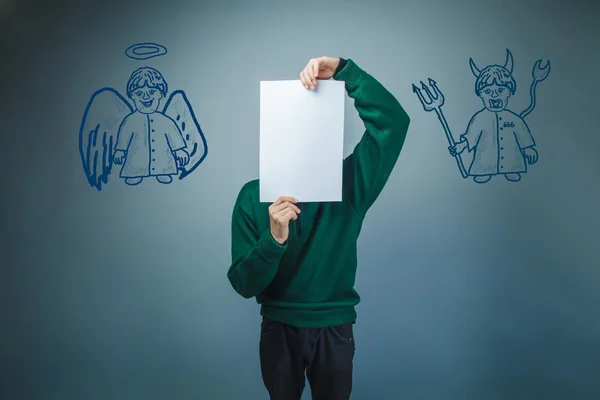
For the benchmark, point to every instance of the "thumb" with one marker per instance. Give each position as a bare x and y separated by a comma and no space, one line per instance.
316,66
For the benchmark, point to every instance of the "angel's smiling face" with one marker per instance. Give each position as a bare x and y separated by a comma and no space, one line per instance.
146,99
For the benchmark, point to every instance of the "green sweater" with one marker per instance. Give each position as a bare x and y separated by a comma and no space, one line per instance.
309,280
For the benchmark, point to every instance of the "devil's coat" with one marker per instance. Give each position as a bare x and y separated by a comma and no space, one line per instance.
497,138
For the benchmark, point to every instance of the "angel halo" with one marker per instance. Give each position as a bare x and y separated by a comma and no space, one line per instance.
144,51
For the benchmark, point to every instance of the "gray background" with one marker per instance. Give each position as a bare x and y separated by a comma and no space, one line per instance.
468,291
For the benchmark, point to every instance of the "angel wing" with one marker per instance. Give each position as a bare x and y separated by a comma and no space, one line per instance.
179,109
98,133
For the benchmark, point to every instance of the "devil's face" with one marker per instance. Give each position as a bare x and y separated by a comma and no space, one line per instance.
146,99
494,97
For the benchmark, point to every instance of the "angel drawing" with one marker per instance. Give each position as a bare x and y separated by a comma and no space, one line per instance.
145,140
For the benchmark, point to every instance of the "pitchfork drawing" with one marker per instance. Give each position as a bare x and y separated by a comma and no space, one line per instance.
434,102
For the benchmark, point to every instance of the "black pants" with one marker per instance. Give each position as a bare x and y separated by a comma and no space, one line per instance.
325,354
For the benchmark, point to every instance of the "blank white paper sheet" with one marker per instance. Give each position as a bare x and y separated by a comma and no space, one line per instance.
301,140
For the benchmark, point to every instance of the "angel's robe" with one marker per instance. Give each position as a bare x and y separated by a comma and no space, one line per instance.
149,141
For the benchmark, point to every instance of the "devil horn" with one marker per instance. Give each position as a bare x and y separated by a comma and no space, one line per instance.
474,68
509,61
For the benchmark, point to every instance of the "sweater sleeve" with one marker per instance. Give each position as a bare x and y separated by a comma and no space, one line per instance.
368,168
255,255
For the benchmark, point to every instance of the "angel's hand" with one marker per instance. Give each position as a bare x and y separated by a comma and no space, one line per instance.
119,156
182,156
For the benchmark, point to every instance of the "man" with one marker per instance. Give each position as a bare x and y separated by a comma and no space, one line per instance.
299,260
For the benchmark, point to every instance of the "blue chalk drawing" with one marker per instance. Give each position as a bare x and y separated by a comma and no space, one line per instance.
144,51
500,139
145,140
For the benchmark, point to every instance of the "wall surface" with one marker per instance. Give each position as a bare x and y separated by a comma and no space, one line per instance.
469,290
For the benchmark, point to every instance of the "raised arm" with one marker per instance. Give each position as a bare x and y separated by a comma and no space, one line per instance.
368,168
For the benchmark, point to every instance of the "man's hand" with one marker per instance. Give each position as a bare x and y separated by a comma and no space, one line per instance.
280,213
318,68
182,156
119,156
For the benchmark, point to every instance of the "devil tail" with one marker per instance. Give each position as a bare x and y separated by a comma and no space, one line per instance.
531,107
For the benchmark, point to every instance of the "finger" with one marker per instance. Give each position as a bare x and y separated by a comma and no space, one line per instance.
315,65
303,78
288,215
284,209
279,214
284,215
314,71
282,199
285,205
291,215
307,79
310,70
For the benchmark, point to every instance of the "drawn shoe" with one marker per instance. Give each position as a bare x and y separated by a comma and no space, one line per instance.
513,177
482,178
133,181
164,179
